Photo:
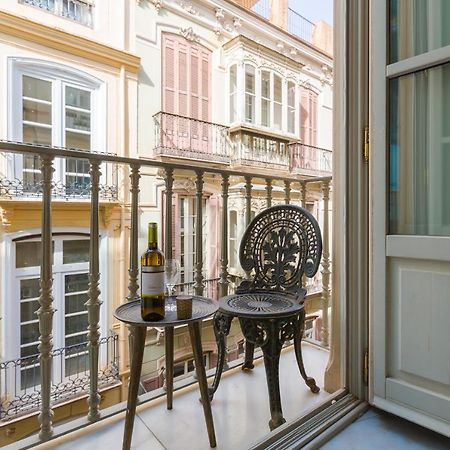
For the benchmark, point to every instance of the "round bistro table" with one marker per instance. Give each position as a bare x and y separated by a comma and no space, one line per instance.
130,313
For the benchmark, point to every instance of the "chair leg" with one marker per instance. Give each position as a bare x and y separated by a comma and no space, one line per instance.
249,355
299,329
222,324
271,351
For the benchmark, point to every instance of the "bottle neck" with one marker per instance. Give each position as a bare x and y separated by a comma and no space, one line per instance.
152,237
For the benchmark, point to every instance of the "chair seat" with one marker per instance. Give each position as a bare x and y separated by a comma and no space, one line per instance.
260,305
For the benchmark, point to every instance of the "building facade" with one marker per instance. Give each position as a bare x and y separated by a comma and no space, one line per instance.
209,82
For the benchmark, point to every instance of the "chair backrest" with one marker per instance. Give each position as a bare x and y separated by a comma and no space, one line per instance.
280,245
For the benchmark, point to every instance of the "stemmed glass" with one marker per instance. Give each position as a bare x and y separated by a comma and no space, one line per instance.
172,270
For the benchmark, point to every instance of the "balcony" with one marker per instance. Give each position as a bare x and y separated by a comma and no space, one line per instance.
80,11
71,179
310,160
182,137
241,401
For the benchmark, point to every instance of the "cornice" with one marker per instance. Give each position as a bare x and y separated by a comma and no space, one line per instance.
61,40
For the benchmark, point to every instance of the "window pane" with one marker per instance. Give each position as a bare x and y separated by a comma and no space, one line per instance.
29,333
277,88
28,310
265,84
419,153
249,79
80,341
36,88
28,254
265,112
76,283
37,112
29,377
37,135
75,303
29,288
78,98
78,120
78,140
77,364
277,116
29,350
76,324
417,26
232,107
233,78
76,251
249,108
291,94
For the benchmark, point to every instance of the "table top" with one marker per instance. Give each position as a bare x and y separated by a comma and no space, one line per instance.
202,307
262,304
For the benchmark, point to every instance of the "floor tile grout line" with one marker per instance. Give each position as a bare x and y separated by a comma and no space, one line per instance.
153,434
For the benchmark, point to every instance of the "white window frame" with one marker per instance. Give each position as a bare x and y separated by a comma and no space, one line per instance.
11,284
60,76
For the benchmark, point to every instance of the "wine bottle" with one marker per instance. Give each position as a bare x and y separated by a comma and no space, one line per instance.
152,278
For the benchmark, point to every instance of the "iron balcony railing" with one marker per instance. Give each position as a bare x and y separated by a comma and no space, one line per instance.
80,11
20,177
257,150
278,189
184,137
20,385
310,160
300,26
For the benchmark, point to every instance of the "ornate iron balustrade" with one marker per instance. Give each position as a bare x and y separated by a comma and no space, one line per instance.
184,137
258,150
310,160
27,184
285,188
300,26
80,11
20,390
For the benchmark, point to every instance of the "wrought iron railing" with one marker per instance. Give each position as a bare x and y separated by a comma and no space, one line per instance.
185,137
260,151
300,26
310,160
80,11
71,180
287,189
20,385
211,288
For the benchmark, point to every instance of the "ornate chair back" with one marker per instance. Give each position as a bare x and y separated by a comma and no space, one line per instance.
280,245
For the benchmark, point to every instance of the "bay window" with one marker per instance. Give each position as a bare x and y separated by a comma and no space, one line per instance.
266,99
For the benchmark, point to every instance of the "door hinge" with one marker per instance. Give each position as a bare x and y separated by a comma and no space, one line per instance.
366,367
366,144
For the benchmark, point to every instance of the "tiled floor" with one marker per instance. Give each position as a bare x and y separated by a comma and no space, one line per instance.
240,409
377,430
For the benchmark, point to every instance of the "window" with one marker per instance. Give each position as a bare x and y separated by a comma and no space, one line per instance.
291,107
233,93
187,254
277,103
187,366
55,106
250,94
308,116
265,98
70,291
80,11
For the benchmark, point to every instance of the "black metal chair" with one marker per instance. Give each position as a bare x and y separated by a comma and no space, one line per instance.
280,245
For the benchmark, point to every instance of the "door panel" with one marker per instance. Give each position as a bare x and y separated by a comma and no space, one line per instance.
410,211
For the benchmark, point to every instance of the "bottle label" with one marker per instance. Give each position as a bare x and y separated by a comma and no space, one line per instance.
152,283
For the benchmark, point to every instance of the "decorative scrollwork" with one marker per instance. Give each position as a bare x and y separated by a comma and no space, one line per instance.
280,245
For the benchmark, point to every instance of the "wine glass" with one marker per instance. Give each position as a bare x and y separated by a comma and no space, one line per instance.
172,270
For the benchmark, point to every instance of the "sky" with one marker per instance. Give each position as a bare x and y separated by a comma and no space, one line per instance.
314,10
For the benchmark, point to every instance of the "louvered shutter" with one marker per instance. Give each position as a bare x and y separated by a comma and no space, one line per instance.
169,90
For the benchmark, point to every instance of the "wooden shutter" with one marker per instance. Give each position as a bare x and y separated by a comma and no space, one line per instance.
186,90
304,115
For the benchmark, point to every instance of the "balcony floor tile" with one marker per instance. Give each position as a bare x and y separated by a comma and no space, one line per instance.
240,409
